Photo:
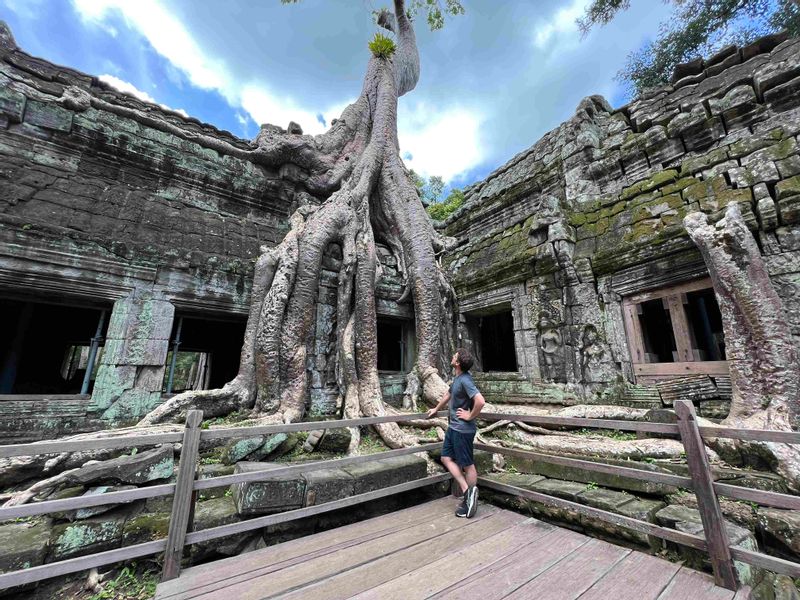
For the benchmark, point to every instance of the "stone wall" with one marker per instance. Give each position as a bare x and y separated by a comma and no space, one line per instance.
127,206
593,211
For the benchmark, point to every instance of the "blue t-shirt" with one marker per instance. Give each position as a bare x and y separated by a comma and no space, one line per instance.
462,392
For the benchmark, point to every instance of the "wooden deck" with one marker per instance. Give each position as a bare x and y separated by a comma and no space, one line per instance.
427,552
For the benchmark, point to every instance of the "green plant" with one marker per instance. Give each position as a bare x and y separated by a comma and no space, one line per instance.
382,46
26,226
131,583
590,486
441,210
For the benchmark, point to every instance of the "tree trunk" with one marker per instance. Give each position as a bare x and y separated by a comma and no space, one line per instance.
761,355
369,196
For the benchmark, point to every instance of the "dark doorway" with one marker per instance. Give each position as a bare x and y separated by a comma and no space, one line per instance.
658,337
496,336
208,352
395,344
45,348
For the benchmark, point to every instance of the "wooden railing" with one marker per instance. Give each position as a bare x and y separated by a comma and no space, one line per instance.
715,540
187,485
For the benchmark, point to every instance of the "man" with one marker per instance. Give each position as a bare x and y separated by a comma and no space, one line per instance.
466,403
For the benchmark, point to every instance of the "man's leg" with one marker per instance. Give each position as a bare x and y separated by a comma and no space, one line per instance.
455,471
471,475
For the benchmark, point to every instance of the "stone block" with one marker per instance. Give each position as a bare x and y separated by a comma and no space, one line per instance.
12,104
327,485
97,534
48,115
780,531
387,472
336,441
23,545
273,494
215,512
688,520
145,527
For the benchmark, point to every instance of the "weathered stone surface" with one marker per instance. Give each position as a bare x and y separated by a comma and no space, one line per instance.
387,472
688,520
336,441
87,536
145,527
23,545
327,485
273,494
85,513
780,531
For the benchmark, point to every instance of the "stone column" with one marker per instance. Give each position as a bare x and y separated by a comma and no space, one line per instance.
129,379
525,338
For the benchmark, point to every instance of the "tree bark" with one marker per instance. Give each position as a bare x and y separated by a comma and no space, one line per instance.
370,196
761,354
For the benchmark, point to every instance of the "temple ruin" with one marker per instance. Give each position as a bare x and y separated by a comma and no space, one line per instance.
130,236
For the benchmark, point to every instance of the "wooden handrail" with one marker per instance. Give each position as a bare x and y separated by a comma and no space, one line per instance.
187,486
719,546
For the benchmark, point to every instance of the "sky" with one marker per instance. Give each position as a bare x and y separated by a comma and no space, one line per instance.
493,81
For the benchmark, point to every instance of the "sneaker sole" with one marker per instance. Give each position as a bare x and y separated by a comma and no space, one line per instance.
472,503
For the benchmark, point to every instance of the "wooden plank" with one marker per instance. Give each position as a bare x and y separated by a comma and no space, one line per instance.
638,576
771,563
744,593
183,501
633,332
452,568
291,578
681,288
376,572
257,523
516,569
707,367
60,446
42,508
57,447
240,432
688,583
572,576
680,327
584,422
302,549
760,496
764,435
82,563
665,478
226,480
687,539
703,484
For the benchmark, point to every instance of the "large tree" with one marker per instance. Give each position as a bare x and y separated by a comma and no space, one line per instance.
368,196
696,28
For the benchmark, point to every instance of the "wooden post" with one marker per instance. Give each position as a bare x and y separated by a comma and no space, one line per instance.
183,500
700,471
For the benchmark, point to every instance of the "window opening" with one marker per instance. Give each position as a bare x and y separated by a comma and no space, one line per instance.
657,334
705,321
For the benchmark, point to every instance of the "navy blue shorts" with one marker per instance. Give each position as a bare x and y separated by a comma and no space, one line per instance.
458,446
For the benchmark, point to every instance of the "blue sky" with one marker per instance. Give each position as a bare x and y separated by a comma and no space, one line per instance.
493,80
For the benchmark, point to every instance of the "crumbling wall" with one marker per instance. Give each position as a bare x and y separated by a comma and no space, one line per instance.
593,211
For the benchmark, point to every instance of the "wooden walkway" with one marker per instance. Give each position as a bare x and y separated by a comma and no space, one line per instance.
427,552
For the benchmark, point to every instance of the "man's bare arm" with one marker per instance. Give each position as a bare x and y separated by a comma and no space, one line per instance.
445,399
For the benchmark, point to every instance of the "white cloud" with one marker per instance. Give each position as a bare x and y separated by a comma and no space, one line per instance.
170,38
444,142
562,22
129,88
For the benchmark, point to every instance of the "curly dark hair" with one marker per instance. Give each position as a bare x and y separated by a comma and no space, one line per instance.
465,359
